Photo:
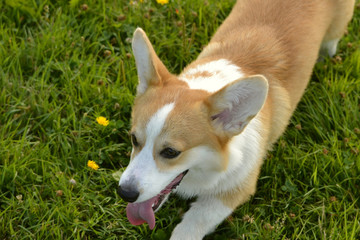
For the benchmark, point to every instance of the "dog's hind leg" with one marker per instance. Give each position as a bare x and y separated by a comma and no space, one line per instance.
343,11
328,48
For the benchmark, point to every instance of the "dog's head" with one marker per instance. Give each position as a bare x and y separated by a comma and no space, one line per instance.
177,130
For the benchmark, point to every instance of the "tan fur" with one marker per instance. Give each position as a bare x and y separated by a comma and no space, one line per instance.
280,39
199,74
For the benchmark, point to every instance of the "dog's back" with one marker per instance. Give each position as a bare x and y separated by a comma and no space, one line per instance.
280,40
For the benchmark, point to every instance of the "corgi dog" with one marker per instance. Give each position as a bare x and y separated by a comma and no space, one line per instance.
205,132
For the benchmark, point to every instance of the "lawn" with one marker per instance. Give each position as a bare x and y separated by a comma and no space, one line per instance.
65,63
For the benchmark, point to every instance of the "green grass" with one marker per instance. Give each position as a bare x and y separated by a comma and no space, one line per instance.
62,64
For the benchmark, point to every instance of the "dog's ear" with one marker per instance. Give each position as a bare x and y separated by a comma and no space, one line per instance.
149,67
232,107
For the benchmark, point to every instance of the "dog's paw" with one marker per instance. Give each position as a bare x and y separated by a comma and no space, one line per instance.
184,233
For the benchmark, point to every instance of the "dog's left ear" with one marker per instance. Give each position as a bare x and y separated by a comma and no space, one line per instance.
150,69
232,107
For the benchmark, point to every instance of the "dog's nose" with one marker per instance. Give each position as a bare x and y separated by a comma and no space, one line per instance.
128,194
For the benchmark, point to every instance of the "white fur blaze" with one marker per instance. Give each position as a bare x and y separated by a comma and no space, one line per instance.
142,170
222,72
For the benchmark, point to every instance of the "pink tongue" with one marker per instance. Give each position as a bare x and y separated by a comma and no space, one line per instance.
139,213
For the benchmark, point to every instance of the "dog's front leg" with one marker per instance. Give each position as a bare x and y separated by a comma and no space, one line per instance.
209,211
202,218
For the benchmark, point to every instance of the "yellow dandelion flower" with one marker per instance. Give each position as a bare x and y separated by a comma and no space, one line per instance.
102,121
162,2
93,165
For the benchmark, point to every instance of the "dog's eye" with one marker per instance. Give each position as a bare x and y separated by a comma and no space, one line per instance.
134,140
169,153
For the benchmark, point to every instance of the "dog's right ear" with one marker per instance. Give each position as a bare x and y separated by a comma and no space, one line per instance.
150,69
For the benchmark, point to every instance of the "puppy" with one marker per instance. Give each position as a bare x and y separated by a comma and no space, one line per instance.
205,132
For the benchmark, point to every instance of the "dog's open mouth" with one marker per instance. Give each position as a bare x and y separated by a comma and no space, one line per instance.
139,213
